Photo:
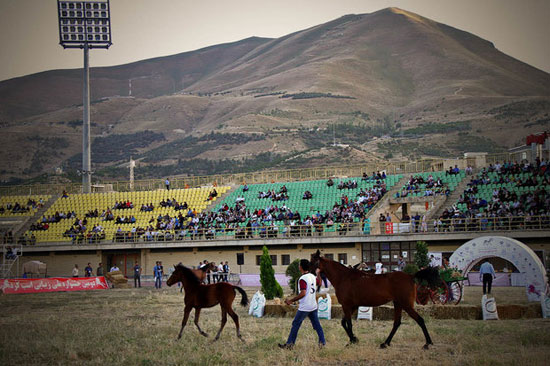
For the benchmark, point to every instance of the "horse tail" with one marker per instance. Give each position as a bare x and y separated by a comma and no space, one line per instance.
244,300
429,275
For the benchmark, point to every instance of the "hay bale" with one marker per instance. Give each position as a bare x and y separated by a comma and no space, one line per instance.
510,311
532,311
469,312
280,310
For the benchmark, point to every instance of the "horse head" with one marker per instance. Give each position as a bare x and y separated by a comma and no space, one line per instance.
315,261
182,274
174,276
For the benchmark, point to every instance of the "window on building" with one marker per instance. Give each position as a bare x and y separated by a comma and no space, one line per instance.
388,252
329,256
273,260
258,260
343,258
285,259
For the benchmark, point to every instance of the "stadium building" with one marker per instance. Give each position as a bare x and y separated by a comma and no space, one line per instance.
353,214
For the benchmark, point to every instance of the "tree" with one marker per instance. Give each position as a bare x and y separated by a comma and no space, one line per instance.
421,257
293,271
270,287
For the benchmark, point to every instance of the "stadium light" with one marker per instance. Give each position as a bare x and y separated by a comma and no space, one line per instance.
85,25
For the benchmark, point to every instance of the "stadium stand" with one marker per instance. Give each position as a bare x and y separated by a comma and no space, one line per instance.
117,215
431,184
14,206
510,195
298,208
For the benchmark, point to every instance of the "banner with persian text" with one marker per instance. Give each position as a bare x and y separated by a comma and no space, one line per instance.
32,285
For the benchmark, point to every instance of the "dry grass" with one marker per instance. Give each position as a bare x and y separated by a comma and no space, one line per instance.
131,327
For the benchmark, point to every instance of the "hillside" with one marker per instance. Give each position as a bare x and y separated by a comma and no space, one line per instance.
427,88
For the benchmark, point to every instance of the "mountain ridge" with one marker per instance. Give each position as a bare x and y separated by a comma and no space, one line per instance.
372,75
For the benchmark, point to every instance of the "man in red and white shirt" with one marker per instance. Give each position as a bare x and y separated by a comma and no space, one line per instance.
307,306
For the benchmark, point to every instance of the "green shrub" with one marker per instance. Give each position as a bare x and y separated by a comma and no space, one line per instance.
270,286
421,257
410,268
293,271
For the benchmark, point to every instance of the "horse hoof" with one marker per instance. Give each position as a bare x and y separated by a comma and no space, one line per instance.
426,346
204,334
384,345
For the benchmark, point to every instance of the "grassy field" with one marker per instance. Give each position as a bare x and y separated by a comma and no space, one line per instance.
139,327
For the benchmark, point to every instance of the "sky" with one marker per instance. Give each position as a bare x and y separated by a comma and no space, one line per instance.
143,29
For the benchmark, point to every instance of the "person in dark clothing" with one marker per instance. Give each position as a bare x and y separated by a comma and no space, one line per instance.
137,275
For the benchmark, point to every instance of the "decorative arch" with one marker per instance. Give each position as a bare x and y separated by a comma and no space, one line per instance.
519,254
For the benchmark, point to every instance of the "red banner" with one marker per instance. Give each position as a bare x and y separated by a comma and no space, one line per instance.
31,285
389,228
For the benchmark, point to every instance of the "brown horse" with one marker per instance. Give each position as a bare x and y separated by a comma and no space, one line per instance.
200,296
202,271
355,288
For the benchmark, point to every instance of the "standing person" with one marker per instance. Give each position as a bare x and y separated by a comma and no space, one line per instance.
401,263
75,270
486,274
167,184
157,271
214,272
88,271
220,272
226,270
114,268
307,307
378,267
137,275
99,270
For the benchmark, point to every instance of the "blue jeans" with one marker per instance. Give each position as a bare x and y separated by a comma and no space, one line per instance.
297,322
158,282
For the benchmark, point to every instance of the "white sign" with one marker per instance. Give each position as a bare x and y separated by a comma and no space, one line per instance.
545,303
489,308
257,305
324,307
364,312
519,254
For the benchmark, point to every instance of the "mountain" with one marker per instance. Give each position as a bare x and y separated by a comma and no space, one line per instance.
386,85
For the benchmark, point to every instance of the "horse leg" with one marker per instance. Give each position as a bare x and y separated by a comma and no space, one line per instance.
397,309
235,318
224,320
418,319
187,310
197,315
348,327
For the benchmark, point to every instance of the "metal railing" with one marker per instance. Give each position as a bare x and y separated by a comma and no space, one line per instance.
288,175
436,227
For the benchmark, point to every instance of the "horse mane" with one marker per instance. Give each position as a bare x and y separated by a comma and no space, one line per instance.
351,271
187,273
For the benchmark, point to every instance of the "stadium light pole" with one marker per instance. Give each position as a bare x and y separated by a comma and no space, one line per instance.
85,25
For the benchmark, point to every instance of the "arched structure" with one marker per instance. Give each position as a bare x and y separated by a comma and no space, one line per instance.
519,254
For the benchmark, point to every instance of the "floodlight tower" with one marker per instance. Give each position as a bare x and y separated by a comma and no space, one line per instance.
85,25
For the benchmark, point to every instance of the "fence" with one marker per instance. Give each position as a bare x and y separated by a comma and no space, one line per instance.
437,227
288,175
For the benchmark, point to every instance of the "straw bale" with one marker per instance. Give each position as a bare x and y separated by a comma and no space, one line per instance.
470,312
510,311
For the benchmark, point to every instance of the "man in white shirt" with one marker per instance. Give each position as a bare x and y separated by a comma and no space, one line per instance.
114,268
378,267
307,307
